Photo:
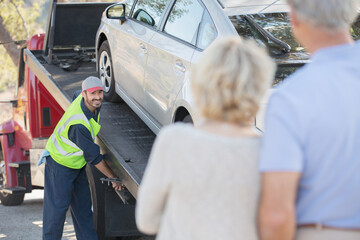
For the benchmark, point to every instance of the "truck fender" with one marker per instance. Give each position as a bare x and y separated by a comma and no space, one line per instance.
15,144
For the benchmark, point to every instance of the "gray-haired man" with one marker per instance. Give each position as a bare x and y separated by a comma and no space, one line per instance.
310,155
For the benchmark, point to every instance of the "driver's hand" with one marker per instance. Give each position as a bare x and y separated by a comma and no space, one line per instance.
118,186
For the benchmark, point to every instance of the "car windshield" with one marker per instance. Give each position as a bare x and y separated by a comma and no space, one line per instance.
273,30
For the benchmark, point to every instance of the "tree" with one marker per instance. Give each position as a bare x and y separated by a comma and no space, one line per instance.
18,21
9,44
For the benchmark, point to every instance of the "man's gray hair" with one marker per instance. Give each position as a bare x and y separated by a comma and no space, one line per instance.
330,15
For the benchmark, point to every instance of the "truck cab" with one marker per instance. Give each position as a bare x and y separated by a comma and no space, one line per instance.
51,69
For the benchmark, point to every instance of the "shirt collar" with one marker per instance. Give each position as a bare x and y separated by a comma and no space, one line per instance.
88,113
337,50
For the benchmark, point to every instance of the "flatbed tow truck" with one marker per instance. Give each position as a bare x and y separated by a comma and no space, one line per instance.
52,67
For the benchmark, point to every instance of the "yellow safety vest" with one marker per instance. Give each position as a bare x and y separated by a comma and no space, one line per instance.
61,149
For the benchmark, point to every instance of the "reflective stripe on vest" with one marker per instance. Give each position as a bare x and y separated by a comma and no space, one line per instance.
60,147
67,141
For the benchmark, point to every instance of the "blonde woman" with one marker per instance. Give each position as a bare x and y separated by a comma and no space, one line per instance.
202,182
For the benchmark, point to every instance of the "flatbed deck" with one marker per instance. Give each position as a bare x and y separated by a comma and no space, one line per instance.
124,138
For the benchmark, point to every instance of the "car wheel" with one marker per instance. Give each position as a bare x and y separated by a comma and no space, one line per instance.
106,73
8,199
188,119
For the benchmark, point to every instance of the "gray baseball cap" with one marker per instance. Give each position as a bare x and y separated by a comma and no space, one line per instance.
91,84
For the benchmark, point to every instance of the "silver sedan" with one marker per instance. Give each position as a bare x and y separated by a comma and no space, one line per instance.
146,48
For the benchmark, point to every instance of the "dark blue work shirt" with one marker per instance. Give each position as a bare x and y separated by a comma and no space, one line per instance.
81,136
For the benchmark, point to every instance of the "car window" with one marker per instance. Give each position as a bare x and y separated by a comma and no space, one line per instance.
355,29
128,7
278,27
149,11
207,31
184,20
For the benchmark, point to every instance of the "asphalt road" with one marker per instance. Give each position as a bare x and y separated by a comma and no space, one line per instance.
25,221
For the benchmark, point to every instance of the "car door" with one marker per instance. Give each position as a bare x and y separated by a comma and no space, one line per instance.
130,48
169,59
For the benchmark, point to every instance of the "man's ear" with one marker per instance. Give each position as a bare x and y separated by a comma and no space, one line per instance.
83,93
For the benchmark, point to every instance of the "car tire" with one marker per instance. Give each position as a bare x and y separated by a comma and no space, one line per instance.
106,73
188,119
8,199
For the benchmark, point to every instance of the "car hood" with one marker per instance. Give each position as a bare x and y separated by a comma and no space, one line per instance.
240,7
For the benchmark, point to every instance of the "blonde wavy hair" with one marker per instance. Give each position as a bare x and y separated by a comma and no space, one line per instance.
230,79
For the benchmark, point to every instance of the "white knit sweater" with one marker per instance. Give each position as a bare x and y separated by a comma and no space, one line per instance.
200,185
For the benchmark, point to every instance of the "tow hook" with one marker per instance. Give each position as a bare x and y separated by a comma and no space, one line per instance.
109,180
124,194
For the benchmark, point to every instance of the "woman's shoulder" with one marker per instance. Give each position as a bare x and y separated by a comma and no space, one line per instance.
187,133
172,138
174,134
176,130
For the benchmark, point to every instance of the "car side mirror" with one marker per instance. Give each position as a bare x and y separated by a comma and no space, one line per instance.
116,11
143,16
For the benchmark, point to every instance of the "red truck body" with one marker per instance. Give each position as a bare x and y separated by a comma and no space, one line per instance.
35,115
44,112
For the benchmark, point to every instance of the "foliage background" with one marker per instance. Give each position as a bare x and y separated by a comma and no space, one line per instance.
35,14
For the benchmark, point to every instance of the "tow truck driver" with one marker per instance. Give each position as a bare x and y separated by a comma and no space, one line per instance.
69,149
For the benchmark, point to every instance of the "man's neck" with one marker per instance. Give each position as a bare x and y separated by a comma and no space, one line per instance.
321,39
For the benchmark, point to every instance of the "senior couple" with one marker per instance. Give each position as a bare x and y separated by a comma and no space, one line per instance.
301,180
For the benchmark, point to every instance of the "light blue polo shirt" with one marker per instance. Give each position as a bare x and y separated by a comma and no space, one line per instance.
312,126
